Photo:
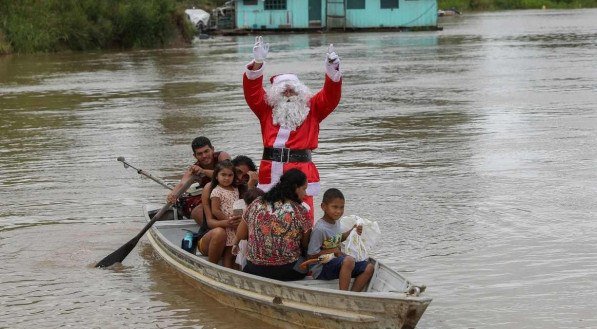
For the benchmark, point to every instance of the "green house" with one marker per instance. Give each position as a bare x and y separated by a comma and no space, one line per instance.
335,14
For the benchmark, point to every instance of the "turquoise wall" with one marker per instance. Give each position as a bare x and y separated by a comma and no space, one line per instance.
411,13
296,16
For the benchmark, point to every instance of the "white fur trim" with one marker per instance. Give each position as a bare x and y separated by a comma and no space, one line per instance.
254,74
265,187
313,189
285,77
282,137
334,75
333,70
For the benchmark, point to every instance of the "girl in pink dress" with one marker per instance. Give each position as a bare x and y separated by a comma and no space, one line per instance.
223,195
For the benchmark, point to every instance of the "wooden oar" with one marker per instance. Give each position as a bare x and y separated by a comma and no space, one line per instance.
144,173
119,255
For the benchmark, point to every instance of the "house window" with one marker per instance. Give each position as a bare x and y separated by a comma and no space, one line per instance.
274,5
249,2
388,4
355,4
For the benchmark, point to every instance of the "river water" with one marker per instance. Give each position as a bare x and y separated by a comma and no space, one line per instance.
474,148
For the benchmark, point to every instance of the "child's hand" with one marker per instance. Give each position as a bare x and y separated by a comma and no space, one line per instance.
359,229
338,252
233,221
235,249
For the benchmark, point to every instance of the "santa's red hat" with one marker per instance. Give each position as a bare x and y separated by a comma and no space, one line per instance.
279,78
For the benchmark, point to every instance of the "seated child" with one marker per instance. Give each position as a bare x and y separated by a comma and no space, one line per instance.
325,239
223,195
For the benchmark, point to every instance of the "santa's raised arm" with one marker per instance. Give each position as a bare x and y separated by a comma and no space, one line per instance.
289,115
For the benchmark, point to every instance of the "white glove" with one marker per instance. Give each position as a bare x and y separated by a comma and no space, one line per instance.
332,64
260,50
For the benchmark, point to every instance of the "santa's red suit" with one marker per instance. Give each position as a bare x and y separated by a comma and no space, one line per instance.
304,137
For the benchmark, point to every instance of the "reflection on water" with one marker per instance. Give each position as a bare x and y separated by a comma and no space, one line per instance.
472,147
188,305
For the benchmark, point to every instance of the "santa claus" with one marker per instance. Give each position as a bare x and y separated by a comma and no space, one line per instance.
289,115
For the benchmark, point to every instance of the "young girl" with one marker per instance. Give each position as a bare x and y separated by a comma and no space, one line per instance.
223,195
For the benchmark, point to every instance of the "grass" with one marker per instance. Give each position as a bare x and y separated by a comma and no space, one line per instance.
28,26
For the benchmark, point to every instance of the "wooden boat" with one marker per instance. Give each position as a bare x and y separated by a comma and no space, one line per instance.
389,301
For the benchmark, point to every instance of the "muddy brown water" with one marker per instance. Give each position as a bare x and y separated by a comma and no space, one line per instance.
474,148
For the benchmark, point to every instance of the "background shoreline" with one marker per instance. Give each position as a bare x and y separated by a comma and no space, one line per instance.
56,26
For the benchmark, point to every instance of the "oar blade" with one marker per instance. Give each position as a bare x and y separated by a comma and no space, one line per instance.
119,255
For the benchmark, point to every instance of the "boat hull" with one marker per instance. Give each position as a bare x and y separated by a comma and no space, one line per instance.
300,304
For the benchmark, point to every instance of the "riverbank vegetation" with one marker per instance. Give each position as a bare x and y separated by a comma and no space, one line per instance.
486,5
28,26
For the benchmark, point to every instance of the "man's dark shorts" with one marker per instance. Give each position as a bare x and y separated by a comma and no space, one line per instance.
331,269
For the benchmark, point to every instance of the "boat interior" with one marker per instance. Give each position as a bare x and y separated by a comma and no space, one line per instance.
173,226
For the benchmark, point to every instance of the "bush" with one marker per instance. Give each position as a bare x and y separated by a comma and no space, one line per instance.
26,27
5,47
53,25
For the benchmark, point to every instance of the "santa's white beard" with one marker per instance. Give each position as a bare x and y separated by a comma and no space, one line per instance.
289,112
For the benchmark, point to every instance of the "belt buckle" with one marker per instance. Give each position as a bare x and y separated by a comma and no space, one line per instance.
281,155
285,152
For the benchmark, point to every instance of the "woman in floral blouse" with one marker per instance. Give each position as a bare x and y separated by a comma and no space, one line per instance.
278,228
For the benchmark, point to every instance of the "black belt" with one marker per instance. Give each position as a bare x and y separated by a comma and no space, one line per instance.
286,155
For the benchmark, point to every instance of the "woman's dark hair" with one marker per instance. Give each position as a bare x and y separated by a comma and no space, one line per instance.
252,194
286,187
224,164
244,160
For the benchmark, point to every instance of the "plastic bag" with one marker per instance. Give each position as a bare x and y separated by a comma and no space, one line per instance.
359,246
241,257
238,207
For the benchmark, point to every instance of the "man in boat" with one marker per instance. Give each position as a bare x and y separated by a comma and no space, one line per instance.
206,158
290,115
